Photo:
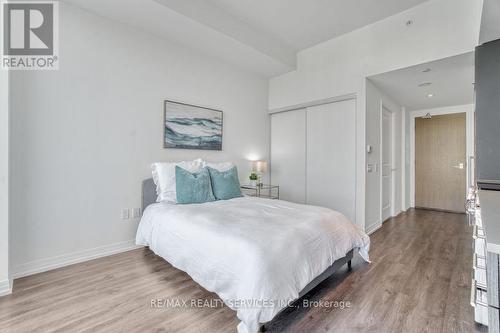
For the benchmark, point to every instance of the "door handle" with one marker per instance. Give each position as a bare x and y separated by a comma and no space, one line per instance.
459,166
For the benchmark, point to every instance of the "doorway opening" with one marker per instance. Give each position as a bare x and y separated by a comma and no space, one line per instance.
432,130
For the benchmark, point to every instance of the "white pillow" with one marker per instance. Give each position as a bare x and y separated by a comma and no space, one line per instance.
224,166
164,177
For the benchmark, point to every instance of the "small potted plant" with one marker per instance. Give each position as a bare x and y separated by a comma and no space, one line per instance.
253,179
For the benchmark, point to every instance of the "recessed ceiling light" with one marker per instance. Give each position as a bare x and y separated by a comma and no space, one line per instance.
430,95
425,84
427,70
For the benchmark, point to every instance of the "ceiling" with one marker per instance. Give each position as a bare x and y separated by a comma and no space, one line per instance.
304,23
262,36
452,83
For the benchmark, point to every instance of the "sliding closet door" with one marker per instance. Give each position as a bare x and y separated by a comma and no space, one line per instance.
288,154
331,156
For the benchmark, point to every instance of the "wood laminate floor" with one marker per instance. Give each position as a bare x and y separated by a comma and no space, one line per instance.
418,281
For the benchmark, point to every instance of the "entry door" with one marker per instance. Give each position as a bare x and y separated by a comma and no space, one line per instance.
440,162
386,164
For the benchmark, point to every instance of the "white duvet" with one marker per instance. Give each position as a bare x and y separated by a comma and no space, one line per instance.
256,254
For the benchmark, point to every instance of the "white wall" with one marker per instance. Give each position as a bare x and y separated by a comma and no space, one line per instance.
4,183
375,100
490,29
440,29
469,111
83,137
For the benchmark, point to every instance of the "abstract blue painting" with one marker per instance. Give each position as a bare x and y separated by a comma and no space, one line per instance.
192,127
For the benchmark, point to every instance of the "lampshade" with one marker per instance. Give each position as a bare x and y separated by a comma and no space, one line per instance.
261,166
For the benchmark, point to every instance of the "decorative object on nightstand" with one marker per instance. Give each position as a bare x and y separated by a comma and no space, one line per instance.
253,178
259,168
262,191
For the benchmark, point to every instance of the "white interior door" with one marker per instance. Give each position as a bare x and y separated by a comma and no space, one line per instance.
288,154
386,164
331,156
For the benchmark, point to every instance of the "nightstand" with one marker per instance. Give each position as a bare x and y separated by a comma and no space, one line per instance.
262,191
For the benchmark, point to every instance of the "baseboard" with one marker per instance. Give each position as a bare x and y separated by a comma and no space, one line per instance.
374,227
440,210
43,265
5,287
396,214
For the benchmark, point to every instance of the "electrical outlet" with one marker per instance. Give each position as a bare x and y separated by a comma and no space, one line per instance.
136,213
125,214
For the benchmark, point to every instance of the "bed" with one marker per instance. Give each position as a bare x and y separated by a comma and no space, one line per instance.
258,255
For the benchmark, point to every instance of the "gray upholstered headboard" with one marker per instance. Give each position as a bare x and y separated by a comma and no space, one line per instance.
148,193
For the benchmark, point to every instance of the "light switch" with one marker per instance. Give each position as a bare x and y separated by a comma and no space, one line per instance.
125,214
136,213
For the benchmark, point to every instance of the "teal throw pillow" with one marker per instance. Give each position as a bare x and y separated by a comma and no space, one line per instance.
225,184
193,187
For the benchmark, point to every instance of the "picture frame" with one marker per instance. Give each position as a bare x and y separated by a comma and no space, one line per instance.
188,126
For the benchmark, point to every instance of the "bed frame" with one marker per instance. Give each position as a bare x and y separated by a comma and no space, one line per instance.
149,197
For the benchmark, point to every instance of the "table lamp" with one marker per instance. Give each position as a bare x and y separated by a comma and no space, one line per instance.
260,168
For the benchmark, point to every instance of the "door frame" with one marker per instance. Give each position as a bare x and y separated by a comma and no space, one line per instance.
383,107
469,138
